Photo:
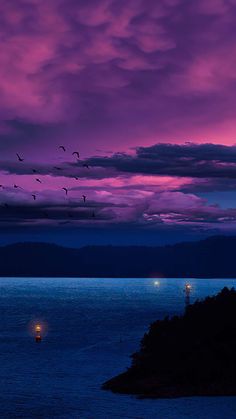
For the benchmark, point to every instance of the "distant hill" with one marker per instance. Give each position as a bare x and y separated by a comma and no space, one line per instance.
213,257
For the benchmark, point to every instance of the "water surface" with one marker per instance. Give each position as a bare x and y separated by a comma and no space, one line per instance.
93,327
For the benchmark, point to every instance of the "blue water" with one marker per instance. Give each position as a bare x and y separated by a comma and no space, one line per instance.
93,325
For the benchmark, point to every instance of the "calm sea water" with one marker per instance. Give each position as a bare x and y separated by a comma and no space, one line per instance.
93,325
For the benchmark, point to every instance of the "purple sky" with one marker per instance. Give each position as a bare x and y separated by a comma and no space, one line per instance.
145,91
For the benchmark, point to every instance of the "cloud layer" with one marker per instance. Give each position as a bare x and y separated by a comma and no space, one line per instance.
115,73
144,90
150,187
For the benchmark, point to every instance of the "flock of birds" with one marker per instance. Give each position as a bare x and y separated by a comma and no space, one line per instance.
66,190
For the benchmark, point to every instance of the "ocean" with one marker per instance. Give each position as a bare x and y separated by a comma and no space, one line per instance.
90,327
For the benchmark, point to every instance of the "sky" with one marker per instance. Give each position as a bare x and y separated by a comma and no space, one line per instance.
144,91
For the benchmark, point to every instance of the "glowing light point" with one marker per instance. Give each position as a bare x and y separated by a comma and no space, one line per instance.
156,283
38,336
37,328
187,291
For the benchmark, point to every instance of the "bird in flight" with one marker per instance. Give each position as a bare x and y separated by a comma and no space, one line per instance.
76,153
62,148
34,197
34,170
57,168
38,180
17,187
86,165
84,198
19,158
66,190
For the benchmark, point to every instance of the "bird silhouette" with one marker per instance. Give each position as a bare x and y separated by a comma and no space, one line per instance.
19,158
57,168
63,148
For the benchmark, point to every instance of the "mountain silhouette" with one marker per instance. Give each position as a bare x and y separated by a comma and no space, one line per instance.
210,258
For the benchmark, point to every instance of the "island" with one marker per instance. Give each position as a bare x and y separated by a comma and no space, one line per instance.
189,355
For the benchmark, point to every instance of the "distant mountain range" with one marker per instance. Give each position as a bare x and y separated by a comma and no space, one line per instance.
214,257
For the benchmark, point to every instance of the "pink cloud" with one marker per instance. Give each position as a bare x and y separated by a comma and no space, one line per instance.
36,60
116,73
210,72
212,7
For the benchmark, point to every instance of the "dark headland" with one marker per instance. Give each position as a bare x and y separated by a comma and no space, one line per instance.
189,355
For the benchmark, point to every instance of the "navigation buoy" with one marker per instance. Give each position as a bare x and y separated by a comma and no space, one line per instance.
38,336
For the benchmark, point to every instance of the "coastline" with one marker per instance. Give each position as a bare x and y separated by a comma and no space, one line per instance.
185,356
151,388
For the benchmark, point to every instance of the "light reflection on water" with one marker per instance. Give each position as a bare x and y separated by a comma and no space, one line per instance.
93,325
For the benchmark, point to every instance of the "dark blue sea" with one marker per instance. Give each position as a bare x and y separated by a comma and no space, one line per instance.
90,327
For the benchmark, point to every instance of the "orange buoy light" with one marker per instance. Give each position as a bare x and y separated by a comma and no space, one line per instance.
38,336
37,328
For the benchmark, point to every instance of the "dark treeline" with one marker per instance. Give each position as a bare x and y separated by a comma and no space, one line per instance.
193,354
210,258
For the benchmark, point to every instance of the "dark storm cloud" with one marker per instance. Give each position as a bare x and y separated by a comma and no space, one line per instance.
17,212
58,169
189,160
